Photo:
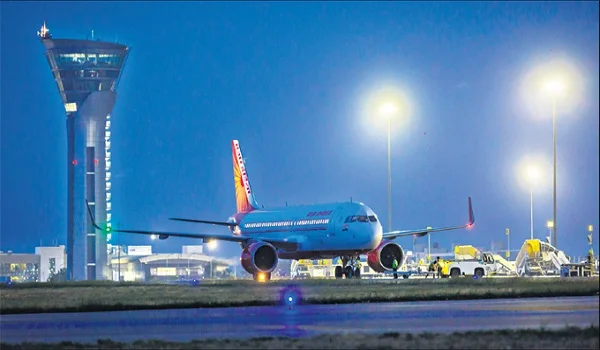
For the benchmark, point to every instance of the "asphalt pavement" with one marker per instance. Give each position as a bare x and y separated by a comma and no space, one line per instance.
302,320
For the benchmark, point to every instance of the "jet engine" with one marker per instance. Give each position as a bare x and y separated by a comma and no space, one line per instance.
380,259
259,257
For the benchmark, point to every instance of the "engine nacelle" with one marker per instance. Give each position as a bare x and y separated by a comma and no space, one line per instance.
259,257
380,259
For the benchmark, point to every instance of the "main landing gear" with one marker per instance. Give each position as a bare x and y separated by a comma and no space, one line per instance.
348,268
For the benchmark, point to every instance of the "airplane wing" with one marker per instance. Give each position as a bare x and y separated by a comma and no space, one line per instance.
425,231
219,223
282,244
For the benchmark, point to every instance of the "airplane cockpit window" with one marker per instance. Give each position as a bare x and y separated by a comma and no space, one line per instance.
359,218
372,218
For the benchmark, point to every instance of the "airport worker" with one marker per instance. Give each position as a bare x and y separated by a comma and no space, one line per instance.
358,264
431,268
440,266
395,268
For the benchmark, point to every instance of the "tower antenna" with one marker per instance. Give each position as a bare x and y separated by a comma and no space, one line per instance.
44,33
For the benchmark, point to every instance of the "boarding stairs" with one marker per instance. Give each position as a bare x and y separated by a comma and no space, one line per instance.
537,258
503,266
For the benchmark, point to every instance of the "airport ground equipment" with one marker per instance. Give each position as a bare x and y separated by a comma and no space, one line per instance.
537,258
585,268
468,268
318,268
576,270
469,261
466,252
326,268
403,273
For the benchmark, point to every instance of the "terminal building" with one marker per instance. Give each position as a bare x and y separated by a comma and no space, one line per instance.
86,73
138,263
38,267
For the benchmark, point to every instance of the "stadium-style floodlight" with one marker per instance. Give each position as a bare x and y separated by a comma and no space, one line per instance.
557,80
387,102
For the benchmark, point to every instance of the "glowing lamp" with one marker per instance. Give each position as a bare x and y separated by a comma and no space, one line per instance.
261,277
388,109
554,87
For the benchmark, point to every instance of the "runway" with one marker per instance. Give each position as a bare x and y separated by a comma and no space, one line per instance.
302,320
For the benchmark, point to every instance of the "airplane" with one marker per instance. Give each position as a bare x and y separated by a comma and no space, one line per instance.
317,231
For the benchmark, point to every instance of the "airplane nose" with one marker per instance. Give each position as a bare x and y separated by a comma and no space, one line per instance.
377,236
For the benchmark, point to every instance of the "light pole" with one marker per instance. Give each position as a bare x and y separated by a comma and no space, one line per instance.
554,87
550,225
428,245
532,173
388,110
507,231
212,245
554,177
531,213
389,174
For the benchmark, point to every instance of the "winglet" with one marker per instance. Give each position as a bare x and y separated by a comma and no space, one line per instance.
92,217
471,215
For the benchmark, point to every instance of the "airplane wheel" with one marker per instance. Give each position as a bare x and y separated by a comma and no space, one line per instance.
348,272
339,272
357,273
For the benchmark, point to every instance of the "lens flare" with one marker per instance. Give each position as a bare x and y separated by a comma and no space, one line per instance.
290,295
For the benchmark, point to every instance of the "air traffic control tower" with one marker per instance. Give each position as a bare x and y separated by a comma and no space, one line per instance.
86,73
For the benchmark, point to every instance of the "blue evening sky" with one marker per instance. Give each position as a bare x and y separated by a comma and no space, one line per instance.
290,81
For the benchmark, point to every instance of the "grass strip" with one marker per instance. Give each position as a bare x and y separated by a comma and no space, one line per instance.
107,296
567,338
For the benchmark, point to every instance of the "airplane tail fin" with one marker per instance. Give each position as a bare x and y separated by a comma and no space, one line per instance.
244,197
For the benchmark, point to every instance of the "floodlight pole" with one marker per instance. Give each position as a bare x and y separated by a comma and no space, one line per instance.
554,241
389,175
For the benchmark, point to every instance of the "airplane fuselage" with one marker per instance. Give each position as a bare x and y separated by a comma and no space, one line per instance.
321,231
